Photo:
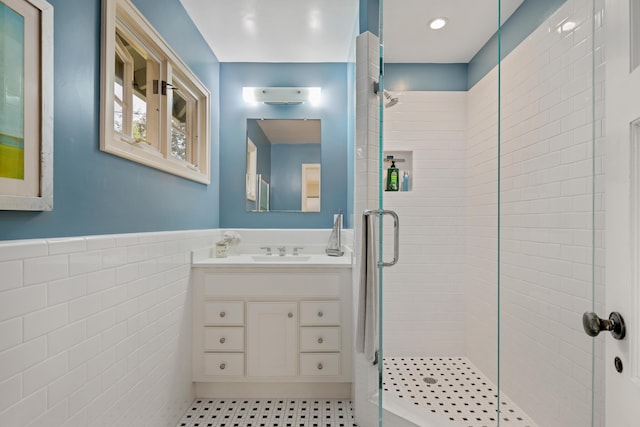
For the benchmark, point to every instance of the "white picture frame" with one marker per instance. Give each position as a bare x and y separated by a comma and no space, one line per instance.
33,190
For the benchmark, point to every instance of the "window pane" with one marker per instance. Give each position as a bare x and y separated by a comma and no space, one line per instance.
119,78
117,117
139,118
179,138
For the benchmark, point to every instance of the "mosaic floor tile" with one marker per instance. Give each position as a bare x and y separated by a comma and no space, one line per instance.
269,413
453,388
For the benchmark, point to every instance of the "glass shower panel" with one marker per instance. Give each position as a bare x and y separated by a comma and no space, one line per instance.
496,160
551,230
439,111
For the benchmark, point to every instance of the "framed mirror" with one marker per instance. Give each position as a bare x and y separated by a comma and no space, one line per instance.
283,166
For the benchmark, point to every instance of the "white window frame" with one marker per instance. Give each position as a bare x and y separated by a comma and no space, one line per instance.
154,153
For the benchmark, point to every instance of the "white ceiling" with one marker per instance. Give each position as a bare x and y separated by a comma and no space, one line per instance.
408,38
322,30
276,30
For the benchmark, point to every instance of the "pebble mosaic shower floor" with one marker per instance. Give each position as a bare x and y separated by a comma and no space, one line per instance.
451,387
269,413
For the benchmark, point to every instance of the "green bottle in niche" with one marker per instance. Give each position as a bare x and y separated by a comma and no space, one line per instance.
393,177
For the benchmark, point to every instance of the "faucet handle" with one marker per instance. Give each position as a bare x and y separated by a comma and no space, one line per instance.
295,249
268,249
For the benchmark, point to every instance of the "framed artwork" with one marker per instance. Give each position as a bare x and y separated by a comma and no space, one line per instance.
26,105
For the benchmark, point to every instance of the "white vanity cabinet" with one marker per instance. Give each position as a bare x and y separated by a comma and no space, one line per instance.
282,329
272,342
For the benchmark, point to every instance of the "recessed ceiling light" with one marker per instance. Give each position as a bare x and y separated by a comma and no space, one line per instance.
438,23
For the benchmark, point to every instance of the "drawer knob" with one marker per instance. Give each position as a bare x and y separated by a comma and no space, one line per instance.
222,314
222,366
320,340
320,314
290,315
320,366
222,340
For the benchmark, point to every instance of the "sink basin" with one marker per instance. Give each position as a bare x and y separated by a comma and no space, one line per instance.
276,258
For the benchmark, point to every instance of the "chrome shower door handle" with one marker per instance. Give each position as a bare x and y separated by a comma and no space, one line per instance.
396,234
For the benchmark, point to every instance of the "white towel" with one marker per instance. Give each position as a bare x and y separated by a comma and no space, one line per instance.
367,327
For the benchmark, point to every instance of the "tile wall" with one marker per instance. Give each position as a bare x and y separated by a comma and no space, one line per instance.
426,287
95,331
546,202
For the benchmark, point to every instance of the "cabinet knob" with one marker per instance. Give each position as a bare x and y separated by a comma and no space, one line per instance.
222,366
320,314
320,366
222,314
290,315
222,340
320,340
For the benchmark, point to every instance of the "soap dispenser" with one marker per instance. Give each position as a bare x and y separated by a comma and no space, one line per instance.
393,177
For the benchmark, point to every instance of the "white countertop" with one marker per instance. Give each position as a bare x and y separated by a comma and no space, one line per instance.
206,258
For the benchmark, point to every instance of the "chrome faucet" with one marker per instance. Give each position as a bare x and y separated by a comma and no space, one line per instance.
282,250
334,247
267,248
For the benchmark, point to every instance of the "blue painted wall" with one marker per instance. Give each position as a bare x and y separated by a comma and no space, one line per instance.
332,78
523,22
263,162
369,16
263,145
348,215
286,173
95,192
427,77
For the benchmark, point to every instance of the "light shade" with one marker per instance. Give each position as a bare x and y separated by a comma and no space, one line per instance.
282,95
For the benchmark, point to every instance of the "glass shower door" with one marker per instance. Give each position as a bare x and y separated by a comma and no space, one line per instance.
500,198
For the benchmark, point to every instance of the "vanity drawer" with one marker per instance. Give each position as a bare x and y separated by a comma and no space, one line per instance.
320,312
320,338
224,338
224,313
319,364
224,364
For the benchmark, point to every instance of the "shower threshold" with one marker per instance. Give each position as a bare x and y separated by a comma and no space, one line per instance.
451,388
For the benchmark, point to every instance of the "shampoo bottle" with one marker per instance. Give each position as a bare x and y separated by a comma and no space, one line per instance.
405,181
393,182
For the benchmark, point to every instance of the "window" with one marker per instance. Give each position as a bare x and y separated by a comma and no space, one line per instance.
155,111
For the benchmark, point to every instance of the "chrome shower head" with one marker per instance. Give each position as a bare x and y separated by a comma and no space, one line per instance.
391,100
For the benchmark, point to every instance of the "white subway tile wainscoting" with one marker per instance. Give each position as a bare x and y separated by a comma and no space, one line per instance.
95,331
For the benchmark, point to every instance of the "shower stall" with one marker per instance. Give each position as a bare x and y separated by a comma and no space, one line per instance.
501,218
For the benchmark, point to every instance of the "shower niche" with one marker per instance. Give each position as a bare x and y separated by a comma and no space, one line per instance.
404,163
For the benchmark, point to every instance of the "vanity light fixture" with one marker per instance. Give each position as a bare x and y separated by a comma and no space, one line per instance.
282,95
438,23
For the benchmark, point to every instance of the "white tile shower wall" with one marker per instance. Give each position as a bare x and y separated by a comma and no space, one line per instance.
366,189
546,219
95,331
482,226
424,292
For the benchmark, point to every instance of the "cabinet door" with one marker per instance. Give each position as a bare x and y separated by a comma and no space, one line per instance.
272,339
